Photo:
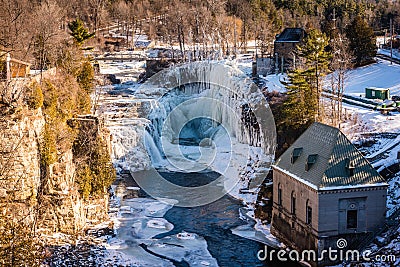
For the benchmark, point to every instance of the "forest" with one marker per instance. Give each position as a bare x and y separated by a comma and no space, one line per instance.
35,31
54,33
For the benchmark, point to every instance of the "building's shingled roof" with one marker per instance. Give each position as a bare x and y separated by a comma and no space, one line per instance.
290,35
334,151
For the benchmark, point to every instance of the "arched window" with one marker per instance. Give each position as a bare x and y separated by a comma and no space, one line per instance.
308,212
293,203
279,194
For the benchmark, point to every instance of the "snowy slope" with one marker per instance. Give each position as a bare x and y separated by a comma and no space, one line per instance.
380,74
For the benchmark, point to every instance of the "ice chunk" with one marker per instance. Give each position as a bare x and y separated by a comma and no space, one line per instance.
189,247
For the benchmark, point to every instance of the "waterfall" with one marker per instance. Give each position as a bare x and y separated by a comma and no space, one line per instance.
153,150
191,116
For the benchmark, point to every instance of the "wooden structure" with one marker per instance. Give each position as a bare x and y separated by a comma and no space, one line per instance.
14,68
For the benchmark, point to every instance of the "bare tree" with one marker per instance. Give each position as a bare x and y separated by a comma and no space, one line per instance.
14,27
341,61
46,20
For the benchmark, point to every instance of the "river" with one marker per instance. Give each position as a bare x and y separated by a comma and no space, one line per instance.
213,222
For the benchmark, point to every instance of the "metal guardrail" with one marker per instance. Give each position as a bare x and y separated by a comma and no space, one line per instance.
351,100
121,58
385,57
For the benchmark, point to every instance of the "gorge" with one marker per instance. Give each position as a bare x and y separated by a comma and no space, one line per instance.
193,138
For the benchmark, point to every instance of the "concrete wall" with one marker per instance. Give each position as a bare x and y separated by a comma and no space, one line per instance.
264,66
302,193
370,204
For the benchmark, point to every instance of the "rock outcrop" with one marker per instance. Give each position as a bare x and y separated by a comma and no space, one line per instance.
20,159
61,207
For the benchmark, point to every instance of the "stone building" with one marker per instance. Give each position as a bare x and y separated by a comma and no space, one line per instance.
324,189
285,45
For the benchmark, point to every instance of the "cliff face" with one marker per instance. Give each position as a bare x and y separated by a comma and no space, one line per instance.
61,207
20,158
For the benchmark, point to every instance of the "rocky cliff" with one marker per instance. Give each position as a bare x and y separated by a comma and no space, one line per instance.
55,194
20,159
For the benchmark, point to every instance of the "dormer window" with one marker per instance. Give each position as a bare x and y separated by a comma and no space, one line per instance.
311,159
349,167
296,153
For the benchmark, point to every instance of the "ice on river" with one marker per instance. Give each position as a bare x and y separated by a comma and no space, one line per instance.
137,222
257,234
184,246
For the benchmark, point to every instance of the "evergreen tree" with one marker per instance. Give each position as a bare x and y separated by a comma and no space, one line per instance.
301,108
362,41
314,52
85,76
299,105
79,32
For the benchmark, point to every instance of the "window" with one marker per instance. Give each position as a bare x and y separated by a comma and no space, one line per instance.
349,167
308,212
351,219
296,153
279,194
309,215
311,160
373,93
293,204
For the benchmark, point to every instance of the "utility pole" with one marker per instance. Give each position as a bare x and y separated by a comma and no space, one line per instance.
234,35
391,41
384,38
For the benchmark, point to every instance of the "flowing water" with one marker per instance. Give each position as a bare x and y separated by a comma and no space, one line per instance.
214,222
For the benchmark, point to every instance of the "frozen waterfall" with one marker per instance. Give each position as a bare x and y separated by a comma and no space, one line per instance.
203,115
153,150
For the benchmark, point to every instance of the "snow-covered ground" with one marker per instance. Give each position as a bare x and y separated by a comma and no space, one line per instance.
381,74
395,53
273,82
358,124
366,125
